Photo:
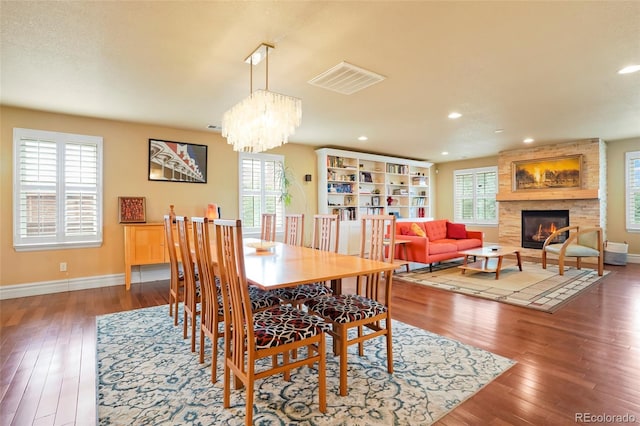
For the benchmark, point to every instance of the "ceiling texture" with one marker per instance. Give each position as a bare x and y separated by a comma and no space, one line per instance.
545,70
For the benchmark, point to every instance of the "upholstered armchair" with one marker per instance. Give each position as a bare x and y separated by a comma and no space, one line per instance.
581,242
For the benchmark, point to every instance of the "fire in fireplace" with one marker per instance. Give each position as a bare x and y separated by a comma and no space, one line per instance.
537,225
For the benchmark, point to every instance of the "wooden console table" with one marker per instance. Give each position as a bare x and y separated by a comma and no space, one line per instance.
144,244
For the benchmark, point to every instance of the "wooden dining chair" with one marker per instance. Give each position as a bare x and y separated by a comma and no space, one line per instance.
369,307
176,281
326,228
581,242
191,286
273,332
268,227
211,313
294,229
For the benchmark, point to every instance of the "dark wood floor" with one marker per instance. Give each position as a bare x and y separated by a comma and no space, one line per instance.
584,358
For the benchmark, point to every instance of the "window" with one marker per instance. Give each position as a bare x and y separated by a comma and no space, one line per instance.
474,197
260,189
632,162
57,196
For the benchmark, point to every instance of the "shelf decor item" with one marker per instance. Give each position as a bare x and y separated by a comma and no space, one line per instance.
177,161
131,210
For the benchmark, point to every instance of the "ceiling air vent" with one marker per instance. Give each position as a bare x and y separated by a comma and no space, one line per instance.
346,79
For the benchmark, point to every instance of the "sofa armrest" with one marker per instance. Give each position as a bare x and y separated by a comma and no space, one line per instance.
417,244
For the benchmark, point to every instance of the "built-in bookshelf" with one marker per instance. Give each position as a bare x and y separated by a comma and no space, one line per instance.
352,184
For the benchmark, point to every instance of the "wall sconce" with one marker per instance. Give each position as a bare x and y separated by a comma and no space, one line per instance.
213,211
307,178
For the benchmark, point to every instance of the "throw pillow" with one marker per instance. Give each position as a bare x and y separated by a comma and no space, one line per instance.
417,230
456,231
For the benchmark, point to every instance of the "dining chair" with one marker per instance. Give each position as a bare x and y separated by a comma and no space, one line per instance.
581,242
274,332
192,295
176,281
268,227
369,307
211,313
294,229
326,228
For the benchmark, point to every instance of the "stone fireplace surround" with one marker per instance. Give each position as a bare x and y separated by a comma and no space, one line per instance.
587,206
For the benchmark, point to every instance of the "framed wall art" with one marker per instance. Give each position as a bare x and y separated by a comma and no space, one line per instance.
132,210
548,173
177,161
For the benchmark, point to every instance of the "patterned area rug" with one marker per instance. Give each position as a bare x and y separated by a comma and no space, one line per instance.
533,287
148,376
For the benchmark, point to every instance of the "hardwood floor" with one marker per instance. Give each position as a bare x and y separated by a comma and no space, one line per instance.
584,358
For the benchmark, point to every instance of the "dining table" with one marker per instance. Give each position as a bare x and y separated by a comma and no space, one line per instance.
282,265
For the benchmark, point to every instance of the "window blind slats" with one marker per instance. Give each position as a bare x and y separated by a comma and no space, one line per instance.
632,174
58,189
475,195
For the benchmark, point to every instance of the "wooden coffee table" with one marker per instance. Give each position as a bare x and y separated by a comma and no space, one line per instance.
490,259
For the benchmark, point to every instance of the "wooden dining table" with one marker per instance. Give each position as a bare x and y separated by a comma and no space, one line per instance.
287,266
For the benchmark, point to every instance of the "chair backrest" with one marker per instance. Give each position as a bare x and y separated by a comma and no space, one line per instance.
326,232
182,225
202,243
268,227
238,316
294,229
171,249
375,232
590,237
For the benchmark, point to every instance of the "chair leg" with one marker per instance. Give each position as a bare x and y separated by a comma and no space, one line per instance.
579,262
201,357
193,333
249,403
561,265
389,345
544,259
322,381
184,323
600,265
343,361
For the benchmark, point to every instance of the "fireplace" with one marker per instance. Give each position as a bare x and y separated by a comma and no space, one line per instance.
537,225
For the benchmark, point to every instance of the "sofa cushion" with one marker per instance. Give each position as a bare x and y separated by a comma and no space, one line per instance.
456,230
436,229
416,230
403,229
467,243
439,247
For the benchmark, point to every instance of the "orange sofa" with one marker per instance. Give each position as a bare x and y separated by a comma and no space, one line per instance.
442,240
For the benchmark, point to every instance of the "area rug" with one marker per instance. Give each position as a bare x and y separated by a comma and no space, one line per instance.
147,375
533,287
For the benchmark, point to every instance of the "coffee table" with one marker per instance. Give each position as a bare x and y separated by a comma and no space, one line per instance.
490,259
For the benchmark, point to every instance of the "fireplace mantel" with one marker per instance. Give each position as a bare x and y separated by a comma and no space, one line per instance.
573,194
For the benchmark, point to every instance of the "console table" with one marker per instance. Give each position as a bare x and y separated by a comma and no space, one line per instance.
144,244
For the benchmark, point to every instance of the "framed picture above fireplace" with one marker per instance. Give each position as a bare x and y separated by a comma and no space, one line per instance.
548,173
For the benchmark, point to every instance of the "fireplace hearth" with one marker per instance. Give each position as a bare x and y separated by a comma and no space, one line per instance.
537,225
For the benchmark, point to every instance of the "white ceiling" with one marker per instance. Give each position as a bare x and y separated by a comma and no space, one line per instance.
546,70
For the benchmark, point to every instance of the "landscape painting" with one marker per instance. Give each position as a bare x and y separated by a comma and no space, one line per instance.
549,173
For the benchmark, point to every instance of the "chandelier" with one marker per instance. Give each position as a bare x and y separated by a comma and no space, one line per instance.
265,119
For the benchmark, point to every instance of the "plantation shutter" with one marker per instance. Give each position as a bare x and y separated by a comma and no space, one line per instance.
633,190
260,188
474,198
57,190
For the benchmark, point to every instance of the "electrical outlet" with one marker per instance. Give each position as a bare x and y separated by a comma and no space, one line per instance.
63,266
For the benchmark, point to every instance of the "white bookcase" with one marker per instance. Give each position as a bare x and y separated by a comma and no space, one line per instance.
352,184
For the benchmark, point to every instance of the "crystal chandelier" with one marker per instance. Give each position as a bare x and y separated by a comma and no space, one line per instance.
265,119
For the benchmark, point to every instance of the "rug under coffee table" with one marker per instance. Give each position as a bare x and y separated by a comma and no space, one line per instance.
490,259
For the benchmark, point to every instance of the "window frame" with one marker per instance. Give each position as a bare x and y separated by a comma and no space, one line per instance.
263,194
632,190
61,239
475,172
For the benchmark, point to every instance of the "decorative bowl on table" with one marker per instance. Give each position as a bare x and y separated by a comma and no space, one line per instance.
262,246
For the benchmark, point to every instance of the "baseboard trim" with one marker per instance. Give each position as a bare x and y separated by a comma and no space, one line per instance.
139,274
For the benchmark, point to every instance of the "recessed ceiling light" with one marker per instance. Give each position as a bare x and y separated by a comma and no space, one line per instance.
455,115
528,140
498,131
362,138
445,153
629,69
212,126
